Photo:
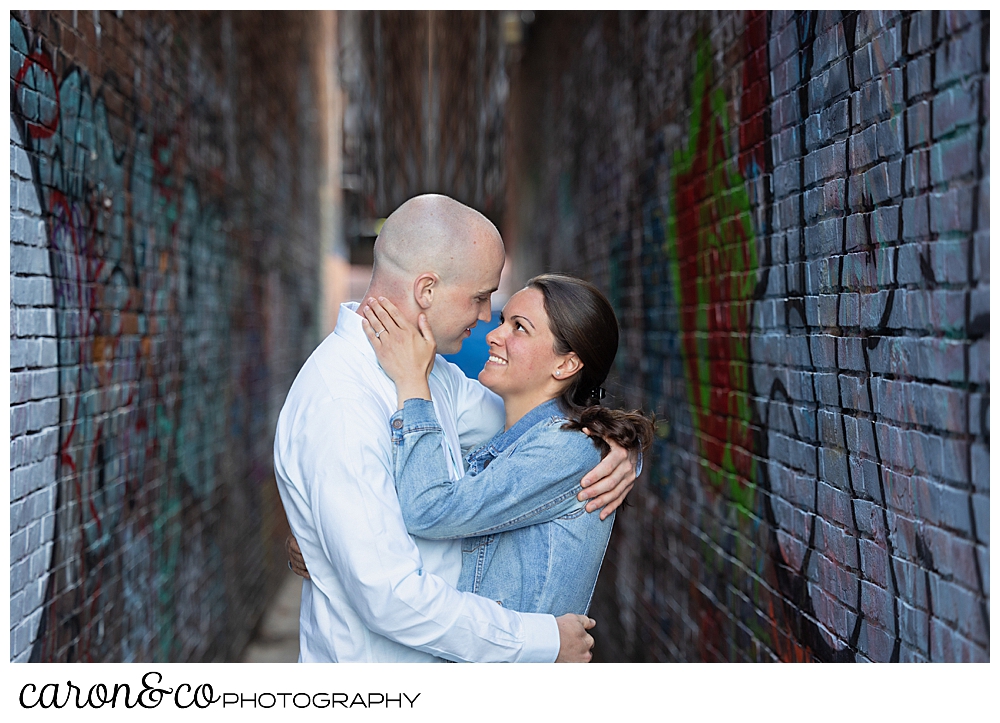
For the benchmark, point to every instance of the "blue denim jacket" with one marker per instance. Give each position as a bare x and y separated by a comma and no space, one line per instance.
531,546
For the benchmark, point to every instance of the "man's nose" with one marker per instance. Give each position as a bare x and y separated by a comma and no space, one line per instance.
486,313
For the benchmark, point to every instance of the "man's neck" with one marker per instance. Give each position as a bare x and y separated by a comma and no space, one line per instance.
374,291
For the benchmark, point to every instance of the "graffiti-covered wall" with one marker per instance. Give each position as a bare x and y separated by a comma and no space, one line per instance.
163,281
790,214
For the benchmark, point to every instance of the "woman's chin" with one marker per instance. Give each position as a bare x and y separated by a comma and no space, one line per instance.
486,378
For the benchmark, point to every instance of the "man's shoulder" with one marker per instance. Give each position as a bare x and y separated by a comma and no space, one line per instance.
332,378
338,367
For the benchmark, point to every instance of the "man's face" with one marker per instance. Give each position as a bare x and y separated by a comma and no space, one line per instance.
459,305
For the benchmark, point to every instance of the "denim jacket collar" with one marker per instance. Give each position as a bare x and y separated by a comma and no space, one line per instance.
480,458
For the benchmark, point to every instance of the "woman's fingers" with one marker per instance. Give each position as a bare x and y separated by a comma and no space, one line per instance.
425,329
383,315
373,318
391,309
369,330
369,315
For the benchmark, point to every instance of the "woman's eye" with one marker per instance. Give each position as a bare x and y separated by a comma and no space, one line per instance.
519,326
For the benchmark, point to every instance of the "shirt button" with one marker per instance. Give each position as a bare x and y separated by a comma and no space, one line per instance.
397,424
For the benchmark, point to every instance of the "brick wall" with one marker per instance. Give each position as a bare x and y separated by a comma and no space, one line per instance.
790,213
426,95
163,279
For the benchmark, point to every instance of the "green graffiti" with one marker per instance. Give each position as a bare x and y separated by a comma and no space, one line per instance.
711,242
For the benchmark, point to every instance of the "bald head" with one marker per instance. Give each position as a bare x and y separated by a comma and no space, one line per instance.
441,258
434,233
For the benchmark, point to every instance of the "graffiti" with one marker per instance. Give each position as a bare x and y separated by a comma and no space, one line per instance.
807,409
38,493
712,245
144,285
714,242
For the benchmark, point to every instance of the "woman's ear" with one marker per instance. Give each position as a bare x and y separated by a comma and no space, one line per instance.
569,366
423,289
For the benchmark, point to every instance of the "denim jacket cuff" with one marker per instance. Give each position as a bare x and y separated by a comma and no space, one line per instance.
417,415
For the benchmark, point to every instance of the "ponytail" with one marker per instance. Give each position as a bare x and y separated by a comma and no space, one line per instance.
627,429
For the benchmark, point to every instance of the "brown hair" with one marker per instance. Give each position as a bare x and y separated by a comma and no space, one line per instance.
582,321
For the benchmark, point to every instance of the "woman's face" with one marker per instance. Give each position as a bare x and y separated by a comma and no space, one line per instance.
522,356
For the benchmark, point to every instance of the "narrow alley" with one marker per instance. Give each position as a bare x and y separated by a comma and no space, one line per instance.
788,212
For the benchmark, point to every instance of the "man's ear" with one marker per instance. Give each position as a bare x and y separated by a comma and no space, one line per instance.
423,289
569,366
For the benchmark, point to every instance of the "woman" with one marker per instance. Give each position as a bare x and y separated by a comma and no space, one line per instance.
530,545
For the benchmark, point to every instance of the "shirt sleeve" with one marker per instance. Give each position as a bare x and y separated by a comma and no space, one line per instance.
343,506
534,481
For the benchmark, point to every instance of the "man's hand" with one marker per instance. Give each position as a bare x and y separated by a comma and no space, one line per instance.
296,563
607,484
575,643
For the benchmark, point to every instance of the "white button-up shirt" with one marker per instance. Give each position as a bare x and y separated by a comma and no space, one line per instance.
377,594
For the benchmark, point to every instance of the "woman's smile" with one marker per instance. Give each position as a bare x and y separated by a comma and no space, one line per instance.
522,358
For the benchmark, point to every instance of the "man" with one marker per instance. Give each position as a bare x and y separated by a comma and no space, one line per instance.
374,593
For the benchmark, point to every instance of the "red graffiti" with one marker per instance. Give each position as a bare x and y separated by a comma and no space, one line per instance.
716,256
753,101
714,314
40,63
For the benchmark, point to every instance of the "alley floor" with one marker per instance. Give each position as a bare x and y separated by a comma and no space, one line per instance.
276,640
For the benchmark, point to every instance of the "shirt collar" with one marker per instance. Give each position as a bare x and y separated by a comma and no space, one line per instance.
544,410
349,328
